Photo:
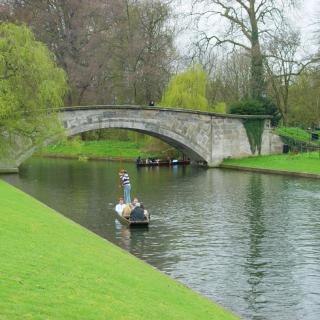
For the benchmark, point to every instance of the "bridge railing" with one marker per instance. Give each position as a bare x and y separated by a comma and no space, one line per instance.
135,107
155,108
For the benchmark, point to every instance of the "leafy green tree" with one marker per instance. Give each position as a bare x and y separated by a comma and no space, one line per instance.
187,90
32,88
219,107
304,100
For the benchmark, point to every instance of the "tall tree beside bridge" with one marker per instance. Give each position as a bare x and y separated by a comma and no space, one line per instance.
246,24
32,87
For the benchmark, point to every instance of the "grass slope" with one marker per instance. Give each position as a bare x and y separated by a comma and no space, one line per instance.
52,268
102,148
297,134
302,162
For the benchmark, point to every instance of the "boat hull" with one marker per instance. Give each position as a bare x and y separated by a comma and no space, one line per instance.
164,164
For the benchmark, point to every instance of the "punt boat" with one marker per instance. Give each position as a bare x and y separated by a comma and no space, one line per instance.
162,163
133,223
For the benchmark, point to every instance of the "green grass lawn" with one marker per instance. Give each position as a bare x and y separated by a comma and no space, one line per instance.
296,134
52,268
302,162
103,148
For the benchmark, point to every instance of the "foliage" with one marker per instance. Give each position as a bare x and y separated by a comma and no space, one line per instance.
254,129
220,107
115,52
301,162
262,106
248,106
305,100
187,90
31,87
49,261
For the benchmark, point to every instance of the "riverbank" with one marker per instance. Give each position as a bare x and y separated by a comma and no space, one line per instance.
301,164
102,150
53,268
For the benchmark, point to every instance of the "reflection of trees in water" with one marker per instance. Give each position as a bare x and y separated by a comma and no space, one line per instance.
255,214
268,231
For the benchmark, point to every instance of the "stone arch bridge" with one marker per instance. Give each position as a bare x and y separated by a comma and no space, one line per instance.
202,136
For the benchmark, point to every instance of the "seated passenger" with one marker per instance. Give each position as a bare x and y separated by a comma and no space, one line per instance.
127,211
135,202
120,206
137,214
134,213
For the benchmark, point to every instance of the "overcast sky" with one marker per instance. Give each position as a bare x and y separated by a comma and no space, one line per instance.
308,12
304,19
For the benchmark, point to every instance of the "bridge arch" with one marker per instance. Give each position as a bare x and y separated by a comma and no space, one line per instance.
192,150
201,136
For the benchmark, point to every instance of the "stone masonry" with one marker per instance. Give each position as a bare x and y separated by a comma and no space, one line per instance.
201,136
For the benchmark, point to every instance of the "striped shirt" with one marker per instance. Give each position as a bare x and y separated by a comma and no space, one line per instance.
125,179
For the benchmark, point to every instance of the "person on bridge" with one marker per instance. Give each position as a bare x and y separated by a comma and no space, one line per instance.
125,183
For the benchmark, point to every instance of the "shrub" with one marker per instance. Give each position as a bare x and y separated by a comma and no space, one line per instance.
263,106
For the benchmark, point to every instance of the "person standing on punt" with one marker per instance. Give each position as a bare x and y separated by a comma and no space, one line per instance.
125,183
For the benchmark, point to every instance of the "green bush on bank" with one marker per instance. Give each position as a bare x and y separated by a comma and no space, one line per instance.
249,106
52,268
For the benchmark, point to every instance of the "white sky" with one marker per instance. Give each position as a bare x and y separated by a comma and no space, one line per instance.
308,14
304,19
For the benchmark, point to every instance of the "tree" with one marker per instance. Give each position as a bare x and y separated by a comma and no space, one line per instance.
187,90
282,67
145,52
249,23
32,87
79,33
113,51
304,100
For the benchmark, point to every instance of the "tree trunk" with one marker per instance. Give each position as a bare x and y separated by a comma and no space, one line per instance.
257,69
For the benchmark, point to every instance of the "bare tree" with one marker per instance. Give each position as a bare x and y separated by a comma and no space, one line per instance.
248,24
114,51
76,31
282,66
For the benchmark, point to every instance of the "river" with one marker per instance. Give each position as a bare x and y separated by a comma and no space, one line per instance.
248,241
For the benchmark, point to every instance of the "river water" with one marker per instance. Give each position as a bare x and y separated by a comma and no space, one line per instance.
248,241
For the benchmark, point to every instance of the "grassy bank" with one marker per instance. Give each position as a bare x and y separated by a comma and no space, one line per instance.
52,268
297,134
301,163
103,149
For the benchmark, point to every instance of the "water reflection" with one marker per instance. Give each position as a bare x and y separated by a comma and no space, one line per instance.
249,241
